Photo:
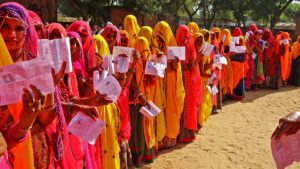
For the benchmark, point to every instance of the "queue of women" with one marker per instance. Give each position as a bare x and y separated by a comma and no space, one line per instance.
34,131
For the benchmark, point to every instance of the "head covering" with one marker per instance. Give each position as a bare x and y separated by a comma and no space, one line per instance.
147,32
22,152
193,27
286,35
78,58
124,35
196,36
15,10
205,32
164,31
132,27
101,47
225,33
237,31
252,27
267,35
107,29
57,26
84,29
142,46
216,30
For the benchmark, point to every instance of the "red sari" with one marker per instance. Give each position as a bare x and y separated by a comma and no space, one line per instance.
192,84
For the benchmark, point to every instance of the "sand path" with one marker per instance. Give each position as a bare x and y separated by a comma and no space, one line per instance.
238,137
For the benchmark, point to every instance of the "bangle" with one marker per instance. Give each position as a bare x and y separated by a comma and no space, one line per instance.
71,107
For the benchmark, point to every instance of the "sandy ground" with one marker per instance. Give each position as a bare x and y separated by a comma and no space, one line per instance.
238,137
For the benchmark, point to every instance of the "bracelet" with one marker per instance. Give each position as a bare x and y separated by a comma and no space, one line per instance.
71,107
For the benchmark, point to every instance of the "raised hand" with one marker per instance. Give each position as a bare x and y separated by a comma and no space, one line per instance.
57,77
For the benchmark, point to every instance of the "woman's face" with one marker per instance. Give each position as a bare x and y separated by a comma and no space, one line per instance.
55,34
124,41
199,43
206,36
13,32
258,36
111,38
160,43
74,46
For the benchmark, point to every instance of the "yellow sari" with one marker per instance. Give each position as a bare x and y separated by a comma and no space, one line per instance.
205,107
22,152
110,115
174,89
158,90
132,27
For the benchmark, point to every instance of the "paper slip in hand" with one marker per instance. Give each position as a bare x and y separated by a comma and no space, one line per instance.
286,150
118,50
108,86
240,49
174,51
284,42
214,90
57,50
207,49
155,69
14,78
107,64
219,59
152,112
122,64
85,127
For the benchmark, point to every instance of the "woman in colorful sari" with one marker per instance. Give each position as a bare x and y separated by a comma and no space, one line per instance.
147,32
251,66
20,38
227,73
68,90
295,70
132,27
173,84
257,49
268,54
159,88
238,61
142,140
205,107
192,86
193,26
84,30
285,60
112,36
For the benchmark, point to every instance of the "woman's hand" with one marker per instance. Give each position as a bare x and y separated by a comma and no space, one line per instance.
136,57
88,110
98,100
33,105
57,77
143,101
288,125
